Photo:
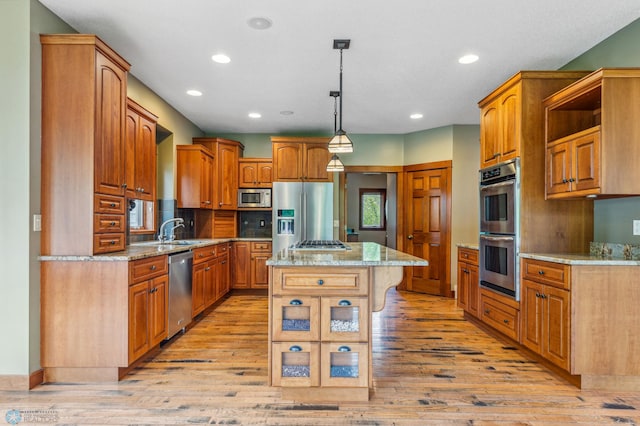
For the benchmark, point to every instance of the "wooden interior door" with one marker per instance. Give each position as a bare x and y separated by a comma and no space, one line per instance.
427,233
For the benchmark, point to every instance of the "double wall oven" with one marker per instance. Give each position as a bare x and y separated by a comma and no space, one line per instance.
499,228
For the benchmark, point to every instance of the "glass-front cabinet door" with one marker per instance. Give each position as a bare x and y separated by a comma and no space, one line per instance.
295,364
296,318
345,364
344,319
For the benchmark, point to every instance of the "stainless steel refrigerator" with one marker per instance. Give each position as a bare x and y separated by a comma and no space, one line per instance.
301,211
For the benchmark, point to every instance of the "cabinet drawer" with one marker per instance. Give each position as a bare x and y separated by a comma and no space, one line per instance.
351,281
144,269
500,316
222,249
344,319
554,274
204,254
295,364
344,364
468,255
108,243
261,246
108,204
296,318
109,223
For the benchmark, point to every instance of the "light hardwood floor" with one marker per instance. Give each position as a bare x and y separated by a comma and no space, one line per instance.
431,367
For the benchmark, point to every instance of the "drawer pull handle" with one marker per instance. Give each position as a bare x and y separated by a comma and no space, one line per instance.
320,282
506,321
344,349
537,294
112,204
153,267
296,302
540,272
344,303
295,348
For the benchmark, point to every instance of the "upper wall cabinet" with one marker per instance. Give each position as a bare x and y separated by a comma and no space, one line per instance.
592,133
194,181
300,159
511,117
255,173
225,171
84,92
140,158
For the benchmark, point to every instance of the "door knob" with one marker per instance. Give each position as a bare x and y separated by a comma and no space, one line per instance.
410,237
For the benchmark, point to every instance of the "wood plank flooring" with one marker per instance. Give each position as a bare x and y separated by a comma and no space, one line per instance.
431,367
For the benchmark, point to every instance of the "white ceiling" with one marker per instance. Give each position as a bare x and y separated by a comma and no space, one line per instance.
403,55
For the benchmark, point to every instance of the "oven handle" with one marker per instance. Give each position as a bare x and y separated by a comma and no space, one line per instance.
497,185
487,237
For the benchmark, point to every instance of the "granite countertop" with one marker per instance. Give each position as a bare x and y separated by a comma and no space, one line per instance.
472,246
361,254
582,259
145,249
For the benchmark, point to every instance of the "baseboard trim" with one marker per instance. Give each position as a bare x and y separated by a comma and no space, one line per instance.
20,382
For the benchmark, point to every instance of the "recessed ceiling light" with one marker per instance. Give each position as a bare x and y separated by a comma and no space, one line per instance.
221,59
468,59
286,112
259,23
255,115
416,116
194,92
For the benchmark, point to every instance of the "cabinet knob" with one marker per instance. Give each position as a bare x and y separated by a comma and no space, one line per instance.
537,294
113,242
540,272
113,223
207,269
506,321
496,155
320,282
487,311
124,185
564,181
153,267
112,205
410,237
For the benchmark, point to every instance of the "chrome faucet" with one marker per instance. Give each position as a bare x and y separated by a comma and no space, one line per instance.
179,222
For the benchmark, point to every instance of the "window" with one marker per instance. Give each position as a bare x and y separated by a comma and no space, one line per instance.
372,209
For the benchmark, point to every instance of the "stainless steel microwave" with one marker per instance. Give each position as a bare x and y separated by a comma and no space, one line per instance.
254,198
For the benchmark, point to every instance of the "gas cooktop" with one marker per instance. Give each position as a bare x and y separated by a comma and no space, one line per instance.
320,245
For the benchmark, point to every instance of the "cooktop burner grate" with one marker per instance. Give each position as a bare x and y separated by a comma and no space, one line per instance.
320,245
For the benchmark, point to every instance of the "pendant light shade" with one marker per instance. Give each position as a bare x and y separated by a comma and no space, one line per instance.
335,165
341,142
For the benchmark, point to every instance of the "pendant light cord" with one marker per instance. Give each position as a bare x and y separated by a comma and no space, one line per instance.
341,131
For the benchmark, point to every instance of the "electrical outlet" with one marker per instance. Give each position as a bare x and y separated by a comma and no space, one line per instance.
262,223
636,227
37,223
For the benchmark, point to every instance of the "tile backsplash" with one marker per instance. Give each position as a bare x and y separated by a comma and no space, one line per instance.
254,224
615,250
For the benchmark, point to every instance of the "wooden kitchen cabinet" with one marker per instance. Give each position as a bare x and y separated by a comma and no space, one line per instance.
468,280
319,338
223,270
241,265
513,124
194,177
501,313
211,276
500,127
255,173
260,253
84,86
140,158
225,170
148,304
590,131
298,159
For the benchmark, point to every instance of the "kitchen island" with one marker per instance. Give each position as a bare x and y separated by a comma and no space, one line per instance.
320,305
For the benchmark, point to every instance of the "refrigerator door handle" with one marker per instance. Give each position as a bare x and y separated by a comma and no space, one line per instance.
303,215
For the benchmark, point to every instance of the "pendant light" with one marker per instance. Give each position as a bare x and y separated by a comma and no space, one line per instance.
341,142
335,165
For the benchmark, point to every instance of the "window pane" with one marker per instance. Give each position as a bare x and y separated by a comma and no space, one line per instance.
372,208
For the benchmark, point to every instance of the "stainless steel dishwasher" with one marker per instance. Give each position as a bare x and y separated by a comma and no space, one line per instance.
180,266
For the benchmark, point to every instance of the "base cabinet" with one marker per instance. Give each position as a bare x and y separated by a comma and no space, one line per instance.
468,280
501,313
211,276
319,332
250,269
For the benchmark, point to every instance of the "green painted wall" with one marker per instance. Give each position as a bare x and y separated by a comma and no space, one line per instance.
613,218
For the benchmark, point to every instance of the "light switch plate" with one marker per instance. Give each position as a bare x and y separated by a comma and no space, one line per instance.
37,223
636,227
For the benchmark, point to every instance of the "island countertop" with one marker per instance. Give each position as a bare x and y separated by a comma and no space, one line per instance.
361,254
